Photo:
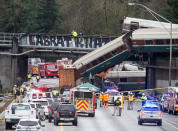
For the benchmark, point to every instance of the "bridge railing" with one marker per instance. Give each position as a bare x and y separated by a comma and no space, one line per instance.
58,41
6,38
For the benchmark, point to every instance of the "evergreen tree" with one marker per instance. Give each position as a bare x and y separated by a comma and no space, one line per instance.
41,16
10,16
172,11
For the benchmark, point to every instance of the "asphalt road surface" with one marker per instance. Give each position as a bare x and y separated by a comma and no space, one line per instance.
104,121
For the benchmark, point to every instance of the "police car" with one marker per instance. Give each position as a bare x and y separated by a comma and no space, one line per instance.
150,113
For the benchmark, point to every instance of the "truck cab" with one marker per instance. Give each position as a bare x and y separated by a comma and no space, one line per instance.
48,70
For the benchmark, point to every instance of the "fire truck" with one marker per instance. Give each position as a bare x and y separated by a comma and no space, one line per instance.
47,70
172,100
84,100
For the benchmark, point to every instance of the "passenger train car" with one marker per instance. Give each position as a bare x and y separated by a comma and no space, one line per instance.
130,24
154,40
103,57
140,40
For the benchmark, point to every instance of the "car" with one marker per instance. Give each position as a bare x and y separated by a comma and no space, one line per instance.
30,125
164,103
150,113
52,108
44,103
112,96
17,111
65,96
65,113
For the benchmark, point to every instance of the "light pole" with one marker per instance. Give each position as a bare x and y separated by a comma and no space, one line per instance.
170,32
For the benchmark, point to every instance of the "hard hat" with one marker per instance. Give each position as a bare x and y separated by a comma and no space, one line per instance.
15,85
143,94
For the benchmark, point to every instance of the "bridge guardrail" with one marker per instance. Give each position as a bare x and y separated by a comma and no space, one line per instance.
6,38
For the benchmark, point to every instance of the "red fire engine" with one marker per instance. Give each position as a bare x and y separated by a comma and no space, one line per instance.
47,70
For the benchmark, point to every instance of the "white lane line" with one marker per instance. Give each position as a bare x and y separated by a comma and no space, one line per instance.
171,124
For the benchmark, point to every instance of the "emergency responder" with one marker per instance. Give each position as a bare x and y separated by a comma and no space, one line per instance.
14,90
27,87
29,76
101,99
106,98
118,105
21,92
18,99
122,95
55,93
74,34
37,78
143,98
130,102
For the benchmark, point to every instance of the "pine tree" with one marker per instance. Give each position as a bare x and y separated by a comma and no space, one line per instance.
10,16
41,16
172,11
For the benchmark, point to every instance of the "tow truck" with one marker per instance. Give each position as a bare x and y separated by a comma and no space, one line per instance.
84,100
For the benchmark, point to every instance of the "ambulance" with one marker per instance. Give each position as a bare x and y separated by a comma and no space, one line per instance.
84,99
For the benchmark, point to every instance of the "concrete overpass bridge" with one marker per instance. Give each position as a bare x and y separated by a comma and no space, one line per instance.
16,48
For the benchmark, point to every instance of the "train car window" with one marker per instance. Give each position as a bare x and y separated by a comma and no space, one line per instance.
123,79
88,66
176,41
159,42
114,52
134,25
94,63
107,55
101,59
148,42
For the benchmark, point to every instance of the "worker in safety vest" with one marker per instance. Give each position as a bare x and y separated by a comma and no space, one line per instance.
29,76
101,99
130,101
74,34
106,98
118,105
144,99
55,93
14,90
122,95
21,92
37,78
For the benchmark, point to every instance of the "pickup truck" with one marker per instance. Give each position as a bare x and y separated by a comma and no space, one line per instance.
17,111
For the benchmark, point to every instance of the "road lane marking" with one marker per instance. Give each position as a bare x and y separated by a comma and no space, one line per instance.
171,124
61,125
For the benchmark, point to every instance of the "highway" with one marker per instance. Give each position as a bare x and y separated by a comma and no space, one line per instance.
104,121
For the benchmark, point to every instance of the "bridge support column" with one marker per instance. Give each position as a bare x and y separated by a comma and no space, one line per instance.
14,67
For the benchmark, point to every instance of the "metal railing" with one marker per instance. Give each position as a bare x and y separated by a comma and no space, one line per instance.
6,38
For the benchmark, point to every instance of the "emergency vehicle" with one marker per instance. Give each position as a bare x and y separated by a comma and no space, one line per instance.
47,70
39,93
84,100
113,94
172,100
